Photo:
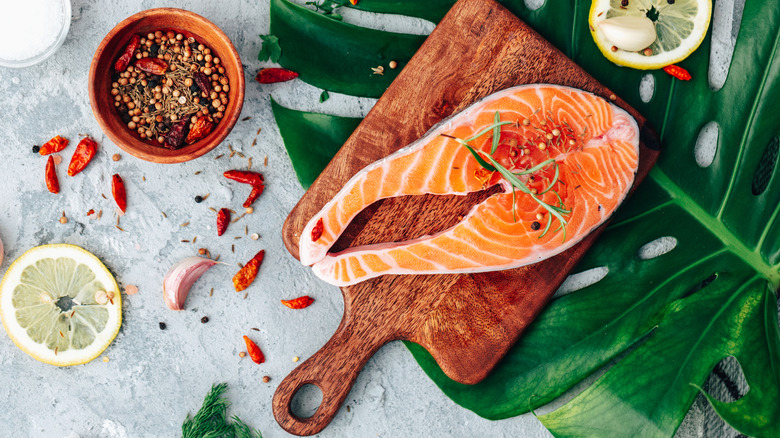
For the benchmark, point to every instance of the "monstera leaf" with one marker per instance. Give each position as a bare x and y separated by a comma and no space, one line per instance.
666,320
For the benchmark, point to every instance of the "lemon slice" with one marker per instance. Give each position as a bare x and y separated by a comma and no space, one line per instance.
680,27
60,305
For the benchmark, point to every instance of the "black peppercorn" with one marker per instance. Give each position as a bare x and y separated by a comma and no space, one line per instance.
204,320
624,3
536,225
671,2
162,325
36,149
199,199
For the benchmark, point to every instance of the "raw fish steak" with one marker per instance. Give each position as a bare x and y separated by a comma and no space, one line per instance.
564,158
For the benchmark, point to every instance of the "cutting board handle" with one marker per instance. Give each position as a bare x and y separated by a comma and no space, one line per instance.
333,369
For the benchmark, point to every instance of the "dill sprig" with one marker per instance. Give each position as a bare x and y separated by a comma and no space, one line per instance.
489,163
212,421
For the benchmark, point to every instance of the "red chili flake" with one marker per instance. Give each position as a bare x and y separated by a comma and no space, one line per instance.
274,75
52,183
223,219
678,72
201,128
244,176
248,273
256,192
175,137
90,212
127,54
85,152
354,2
254,351
299,303
316,232
54,145
118,190
153,66
203,82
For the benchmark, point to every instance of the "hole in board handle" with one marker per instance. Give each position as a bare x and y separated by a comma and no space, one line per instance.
306,401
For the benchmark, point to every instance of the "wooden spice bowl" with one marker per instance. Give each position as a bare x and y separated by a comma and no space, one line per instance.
102,69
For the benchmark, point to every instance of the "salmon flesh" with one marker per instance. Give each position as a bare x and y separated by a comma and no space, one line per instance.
565,159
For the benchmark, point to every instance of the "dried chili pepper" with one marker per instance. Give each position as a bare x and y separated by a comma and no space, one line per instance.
245,176
678,72
203,82
153,66
85,152
223,219
254,351
299,303
248,273
127,54
316,232
253,195
52,183
118,190
201,128
274,75
175,137
354,2
54,145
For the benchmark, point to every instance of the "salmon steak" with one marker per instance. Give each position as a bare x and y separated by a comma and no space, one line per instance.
564,159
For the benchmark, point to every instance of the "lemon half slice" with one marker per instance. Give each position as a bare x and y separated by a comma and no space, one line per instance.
680,27
60,305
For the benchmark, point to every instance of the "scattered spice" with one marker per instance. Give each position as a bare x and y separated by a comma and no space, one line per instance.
265,161
162,325
186,224
199,199
242,354
204,320
202,251
254,351
678,72
274,75
246,118
131,289
316,232
296,358
249,210
223,219
299,303
393,65
266,379
106,359
258,131
90,212
244,278
63,219
52,183
254,236
116,157
54,145
85,152
36,149
378,70
535,226
118,191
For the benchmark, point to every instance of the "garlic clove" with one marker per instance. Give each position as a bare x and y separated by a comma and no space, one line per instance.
180,278
629,33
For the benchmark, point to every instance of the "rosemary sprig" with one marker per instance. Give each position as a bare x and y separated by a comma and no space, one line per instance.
489,163
211,421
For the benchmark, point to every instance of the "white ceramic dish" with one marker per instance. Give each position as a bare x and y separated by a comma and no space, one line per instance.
40,57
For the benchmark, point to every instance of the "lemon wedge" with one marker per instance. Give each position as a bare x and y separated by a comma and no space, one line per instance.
60,305
680,27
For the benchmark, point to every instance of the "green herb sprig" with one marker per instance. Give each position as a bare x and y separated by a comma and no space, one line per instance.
212,421
489,163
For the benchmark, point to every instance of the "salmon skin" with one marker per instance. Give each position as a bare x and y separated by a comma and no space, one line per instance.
565,159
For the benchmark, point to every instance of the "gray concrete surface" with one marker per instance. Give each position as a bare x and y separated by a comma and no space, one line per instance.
154,378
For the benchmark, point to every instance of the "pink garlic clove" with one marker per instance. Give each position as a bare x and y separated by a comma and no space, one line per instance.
180,278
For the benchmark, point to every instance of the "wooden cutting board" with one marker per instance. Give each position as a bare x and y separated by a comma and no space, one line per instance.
466,321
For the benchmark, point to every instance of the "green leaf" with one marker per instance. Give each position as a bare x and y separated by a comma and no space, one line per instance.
211,420
316,139
338,56
431,10
324,96
651,313
270,49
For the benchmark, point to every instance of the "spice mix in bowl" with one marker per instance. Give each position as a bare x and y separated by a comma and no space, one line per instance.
166,85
